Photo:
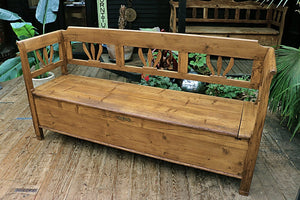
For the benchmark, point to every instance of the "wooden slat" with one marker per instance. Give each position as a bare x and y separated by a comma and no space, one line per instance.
47,68
237,15
275,13
171,74
232,30
248,14
51,54
221,4
38,55
226,46
209,65
86,51
247,120
256,74
93,51
240,21
141,56
45,54
194,12
120,61
183,62
158,57
226,14
219,65
205,13
149,57
229,66
99,52
257,16
216,13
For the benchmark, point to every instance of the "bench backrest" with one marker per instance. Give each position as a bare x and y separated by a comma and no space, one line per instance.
230,11
218,47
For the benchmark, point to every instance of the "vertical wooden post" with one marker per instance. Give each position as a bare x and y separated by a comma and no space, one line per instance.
29,88
268,71
62,54
181,16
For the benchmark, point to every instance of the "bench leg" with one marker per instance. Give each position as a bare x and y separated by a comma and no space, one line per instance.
39,133
245,187
249,166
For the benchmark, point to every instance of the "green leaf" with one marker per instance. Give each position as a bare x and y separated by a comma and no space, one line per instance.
285,87
23,30
8,15
46,11
12,68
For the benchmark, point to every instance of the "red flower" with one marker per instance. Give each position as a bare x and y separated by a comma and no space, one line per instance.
147,78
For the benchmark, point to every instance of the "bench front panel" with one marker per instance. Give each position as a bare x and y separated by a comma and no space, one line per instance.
201,149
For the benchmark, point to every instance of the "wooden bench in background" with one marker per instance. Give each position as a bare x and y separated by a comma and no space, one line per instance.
206,132
227,18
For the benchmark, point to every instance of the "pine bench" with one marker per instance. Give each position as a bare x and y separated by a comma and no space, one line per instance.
206,132
228,18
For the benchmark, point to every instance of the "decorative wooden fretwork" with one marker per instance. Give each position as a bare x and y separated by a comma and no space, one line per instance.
45,60
150,57
219,66
92,55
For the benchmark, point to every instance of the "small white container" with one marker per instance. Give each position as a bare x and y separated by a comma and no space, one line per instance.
39,81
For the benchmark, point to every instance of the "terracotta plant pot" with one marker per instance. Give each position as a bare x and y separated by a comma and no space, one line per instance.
39,81
112,53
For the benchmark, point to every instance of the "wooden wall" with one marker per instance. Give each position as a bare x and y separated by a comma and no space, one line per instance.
149,13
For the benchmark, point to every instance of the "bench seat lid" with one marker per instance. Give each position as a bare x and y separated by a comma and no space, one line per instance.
220,115
231,30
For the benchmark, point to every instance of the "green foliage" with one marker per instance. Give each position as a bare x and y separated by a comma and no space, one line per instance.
232,92
46,11
285,87
161,82
23,30
9,16
12,68
44,14
197,62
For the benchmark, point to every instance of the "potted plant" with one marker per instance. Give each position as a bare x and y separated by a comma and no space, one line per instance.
127,49
12,68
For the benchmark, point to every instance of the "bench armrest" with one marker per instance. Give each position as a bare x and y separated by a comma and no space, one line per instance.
38,45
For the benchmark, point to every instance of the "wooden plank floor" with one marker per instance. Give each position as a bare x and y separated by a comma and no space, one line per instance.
62,167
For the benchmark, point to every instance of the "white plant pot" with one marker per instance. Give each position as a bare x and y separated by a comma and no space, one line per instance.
112,52
37,82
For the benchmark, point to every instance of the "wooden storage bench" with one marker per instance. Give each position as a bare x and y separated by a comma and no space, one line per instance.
227,18
206,132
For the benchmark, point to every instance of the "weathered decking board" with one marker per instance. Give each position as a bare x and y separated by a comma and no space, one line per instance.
62,167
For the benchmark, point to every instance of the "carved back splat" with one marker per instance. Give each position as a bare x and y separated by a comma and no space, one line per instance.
45,60
92,49
219,66
149,58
